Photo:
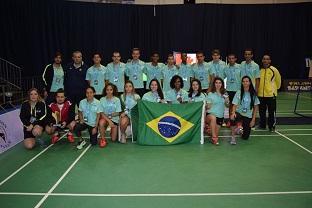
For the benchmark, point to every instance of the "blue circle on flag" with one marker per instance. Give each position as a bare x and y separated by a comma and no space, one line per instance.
169,126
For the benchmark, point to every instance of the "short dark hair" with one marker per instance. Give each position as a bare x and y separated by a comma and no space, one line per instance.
232,54
200,52
115,91
61,90
135,49
173,80
248,49
97,53
217,51
154,53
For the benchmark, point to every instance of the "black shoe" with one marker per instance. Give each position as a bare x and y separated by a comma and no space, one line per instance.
272,129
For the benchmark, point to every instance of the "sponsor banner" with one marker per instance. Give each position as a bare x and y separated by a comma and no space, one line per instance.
11,130
294,84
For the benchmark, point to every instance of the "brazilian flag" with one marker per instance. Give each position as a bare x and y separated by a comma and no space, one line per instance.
167,124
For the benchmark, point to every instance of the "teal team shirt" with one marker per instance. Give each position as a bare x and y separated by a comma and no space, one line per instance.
186,72
115,73
96,76
58,79
217,104
217,68
153,72
89,111
109,106
252,70
151,97
202,73
134,70
233,77
243,106
128,102
200,98
168,73
172,96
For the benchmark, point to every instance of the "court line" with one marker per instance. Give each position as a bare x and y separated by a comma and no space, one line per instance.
29,161
61,178
299,145
300,96
269,135
285,130
158,194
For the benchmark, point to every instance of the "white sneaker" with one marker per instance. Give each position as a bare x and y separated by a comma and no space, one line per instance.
233,141
81,144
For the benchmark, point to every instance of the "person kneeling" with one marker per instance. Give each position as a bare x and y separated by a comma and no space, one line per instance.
63,112
36,117
245,106
89,114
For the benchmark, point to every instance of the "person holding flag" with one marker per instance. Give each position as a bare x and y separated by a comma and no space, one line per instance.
176,95
195,92
128,100
155,94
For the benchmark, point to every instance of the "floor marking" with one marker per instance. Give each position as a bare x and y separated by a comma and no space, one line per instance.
299,145
29,161
158,194
61,178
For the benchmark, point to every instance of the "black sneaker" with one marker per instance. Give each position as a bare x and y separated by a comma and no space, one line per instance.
272,129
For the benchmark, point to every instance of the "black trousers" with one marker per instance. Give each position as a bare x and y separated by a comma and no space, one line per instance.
245,123
75,99
267,103
80,127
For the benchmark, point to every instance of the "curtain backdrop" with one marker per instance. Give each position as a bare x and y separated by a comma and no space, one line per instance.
32,30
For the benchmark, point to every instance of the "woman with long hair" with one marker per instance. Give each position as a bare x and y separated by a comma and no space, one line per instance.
195,92
36,117
216,102
245,106
155,94
128,100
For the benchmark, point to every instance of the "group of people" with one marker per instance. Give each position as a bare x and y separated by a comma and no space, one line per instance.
106,95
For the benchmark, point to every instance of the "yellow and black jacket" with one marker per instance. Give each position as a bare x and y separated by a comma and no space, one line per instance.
270,82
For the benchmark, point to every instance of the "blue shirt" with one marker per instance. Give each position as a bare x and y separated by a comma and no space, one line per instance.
202,72
200,98
186,72
115,73
151,97
168,73
109,106
134,70
217,68
89,111
243,106
96,76
252,70
233,77
58,79
217,104
172,96
153,72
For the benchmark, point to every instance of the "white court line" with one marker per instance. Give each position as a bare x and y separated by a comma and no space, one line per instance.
29,161
285,130
291,113
61,178
270,135
159,194
299,145
300,96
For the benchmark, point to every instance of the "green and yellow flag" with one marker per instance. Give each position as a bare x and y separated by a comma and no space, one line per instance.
166,124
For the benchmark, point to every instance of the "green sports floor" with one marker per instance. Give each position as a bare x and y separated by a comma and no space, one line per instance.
269,170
